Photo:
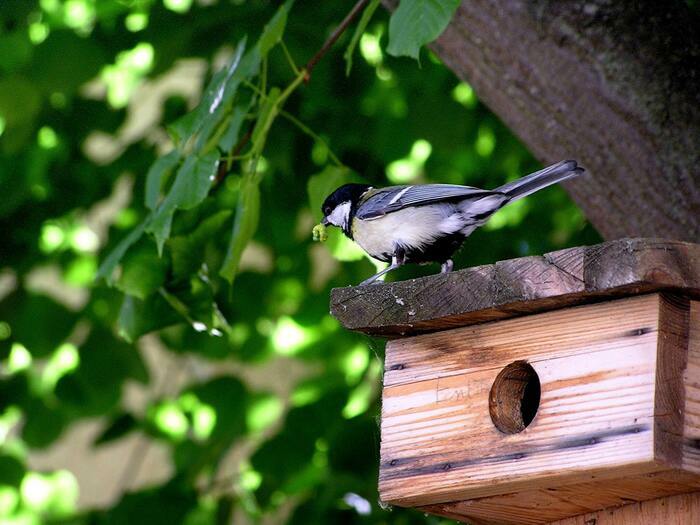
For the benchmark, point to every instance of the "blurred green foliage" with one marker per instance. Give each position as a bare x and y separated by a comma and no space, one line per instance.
106,159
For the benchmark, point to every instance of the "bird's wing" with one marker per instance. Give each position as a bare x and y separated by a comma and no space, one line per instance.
378,203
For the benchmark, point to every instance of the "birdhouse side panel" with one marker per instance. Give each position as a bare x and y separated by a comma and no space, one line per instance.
596,366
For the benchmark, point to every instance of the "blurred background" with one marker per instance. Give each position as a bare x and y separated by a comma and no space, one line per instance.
171,395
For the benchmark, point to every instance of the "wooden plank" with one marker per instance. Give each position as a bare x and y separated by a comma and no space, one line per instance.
494,345
683,509
581,501
595,417
691,381
510,288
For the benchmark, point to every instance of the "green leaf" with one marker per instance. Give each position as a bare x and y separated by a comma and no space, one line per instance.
138,317
143,272
110,263
247,216
323,184
183,128
417,22
215,106
187,250
274,29
159,225
361,26
192,184
20,104
158,175
230,136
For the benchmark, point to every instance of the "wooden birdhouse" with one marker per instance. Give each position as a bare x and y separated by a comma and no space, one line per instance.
556,389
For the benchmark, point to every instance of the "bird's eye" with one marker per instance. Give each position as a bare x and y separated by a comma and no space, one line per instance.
327,210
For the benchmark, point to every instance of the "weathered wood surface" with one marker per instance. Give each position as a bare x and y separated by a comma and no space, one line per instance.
683,509
613,84
615,378
583,502
518,286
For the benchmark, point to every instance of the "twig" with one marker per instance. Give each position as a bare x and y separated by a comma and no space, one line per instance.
225,167
306,129
359,6
292,64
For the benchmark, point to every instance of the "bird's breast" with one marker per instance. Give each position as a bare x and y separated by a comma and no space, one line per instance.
410,228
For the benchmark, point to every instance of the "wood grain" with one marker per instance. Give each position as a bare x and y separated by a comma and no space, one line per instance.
683,509
519,286
579,504
616,379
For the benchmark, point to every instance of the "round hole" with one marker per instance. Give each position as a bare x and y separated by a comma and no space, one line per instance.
514,397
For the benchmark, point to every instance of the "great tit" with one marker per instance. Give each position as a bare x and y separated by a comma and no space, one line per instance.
428,222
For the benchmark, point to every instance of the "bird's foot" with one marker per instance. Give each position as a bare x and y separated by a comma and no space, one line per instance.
447,266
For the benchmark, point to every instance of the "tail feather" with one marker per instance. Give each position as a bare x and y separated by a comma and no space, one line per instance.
517,189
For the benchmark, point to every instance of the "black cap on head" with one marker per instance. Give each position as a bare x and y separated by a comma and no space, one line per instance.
346,193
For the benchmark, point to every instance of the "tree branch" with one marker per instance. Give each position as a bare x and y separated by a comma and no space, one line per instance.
359,6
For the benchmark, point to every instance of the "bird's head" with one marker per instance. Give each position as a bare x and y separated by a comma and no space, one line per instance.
341,205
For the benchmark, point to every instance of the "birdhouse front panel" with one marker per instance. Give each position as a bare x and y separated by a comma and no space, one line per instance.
589,394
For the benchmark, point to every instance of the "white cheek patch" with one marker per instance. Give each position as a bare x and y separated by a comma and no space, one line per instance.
340,216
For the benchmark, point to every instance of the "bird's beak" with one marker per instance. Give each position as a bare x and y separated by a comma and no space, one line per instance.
324,221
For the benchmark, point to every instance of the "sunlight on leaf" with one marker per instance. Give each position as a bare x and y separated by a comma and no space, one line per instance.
19,359
36,490
359,401
57,492
406,170
135,22
305,394
63,361
126,74
355,363
52,237
169,418
79,15
370,49
288,337
38,32
250,479
508,216
9,499
47,138
179,6
83,240
464,94
263,412
485,141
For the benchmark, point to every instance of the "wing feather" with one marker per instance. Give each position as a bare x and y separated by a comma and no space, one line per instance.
386,200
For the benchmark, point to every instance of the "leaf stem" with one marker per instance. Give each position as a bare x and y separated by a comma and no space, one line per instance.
359,6
292,64
306,129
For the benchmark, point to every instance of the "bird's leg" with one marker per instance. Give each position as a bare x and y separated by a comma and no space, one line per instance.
447,266
396,261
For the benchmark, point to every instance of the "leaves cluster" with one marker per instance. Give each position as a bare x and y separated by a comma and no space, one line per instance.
197,232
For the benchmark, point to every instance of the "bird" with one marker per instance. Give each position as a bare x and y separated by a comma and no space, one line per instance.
425,223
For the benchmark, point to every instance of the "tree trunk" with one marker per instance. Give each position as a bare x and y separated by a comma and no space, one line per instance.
613,84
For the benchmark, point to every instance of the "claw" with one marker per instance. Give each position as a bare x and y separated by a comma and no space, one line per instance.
447,266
